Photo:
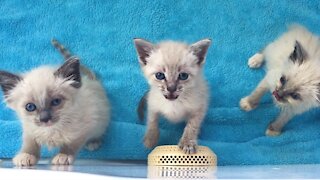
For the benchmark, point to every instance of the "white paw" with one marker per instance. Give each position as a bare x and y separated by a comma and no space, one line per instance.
63,159
246,105
25,159
255,61
93,145
188,146
270,132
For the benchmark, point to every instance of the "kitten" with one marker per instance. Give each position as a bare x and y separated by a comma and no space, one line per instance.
58,107
178,90
292,76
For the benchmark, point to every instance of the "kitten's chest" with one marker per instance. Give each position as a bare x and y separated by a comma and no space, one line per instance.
51,137
174,111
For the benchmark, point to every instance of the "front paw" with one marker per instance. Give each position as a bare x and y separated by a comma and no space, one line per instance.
272,131
151,138
255,61
247,105
63,159
25,159
188,146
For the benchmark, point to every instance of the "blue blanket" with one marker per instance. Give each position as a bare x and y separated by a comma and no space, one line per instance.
101,33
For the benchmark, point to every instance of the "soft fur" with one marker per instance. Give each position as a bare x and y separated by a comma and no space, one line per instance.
172,98
80,118
293,75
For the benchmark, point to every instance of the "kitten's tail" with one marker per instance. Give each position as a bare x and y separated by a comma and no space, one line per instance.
67,55
64,51
142,106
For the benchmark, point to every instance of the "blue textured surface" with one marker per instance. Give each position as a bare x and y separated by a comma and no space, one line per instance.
101,33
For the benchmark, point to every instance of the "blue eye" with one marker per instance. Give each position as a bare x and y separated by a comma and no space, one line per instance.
160,76
31,107
55,102
295,96
183,76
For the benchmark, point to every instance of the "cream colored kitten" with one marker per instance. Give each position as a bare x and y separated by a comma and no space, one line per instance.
178,90
58,108
293,76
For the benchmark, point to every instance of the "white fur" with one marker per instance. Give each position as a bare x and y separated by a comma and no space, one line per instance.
303,78
85,114
173,58
195,93
277,63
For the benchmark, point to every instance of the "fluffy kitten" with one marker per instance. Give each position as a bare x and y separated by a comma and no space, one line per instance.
58,107
178,90
293,76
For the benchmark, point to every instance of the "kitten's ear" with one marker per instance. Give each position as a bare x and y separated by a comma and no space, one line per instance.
8,81
144,49
200,49
70,70
299,54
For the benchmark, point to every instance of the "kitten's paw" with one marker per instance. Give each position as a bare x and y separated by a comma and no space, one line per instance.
63,159
255,61
188,146
272,132
93,144
247,105
151,138
25,159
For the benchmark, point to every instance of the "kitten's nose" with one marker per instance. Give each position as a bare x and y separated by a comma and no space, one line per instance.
172,88
45,116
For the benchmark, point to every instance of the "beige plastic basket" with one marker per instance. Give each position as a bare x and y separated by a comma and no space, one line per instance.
182,172
170,162
173,156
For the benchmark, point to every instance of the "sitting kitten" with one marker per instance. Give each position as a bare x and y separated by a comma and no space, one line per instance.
59,108
177,88
293,76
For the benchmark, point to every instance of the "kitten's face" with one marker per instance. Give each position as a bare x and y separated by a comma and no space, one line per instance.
172,67
300,81
45,95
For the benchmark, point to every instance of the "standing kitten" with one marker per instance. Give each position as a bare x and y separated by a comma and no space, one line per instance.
293,76
177,89
59,108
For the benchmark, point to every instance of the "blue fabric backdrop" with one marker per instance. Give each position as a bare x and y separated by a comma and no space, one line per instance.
101,33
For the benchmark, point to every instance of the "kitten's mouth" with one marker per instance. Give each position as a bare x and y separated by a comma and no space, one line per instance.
171,97
277,96
45,124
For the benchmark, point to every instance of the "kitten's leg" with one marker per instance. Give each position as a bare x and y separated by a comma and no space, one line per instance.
256,60
68,152
152,135
93,144
30,152
274,128
250,102
188,141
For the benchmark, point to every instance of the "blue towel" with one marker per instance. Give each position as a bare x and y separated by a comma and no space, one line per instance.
101,33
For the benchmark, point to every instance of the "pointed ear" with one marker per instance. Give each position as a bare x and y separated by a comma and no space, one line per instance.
8,81
200,49
144,49
70,71
299,54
